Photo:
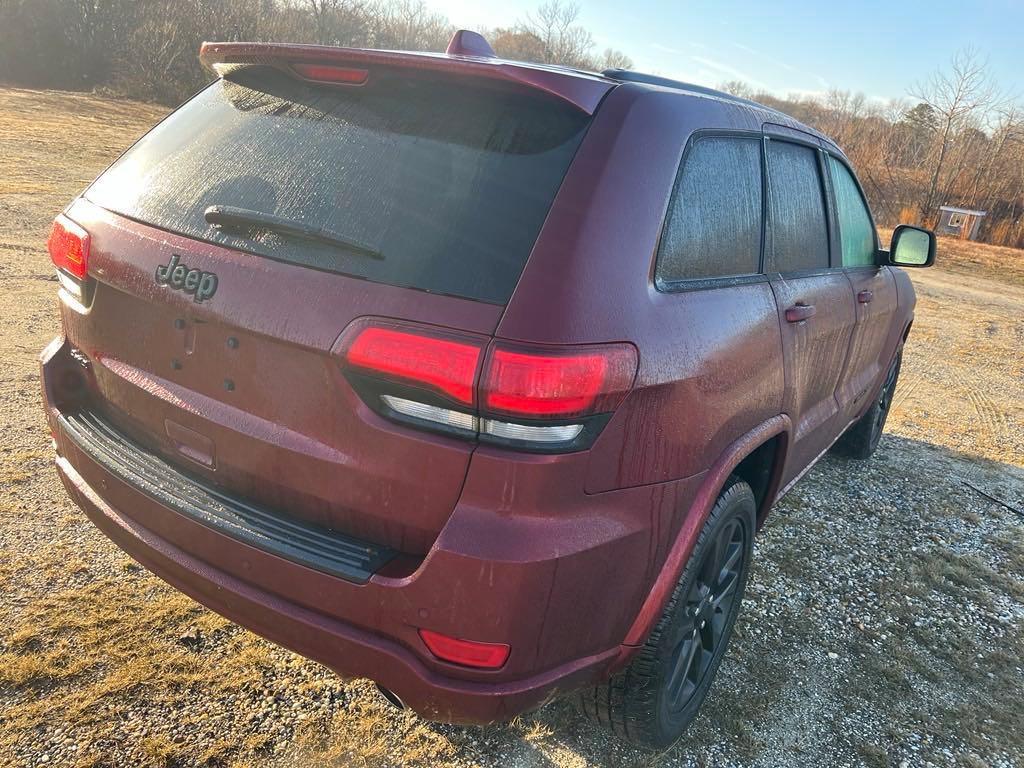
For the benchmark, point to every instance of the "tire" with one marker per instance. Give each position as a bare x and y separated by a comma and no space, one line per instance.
863,436
654,699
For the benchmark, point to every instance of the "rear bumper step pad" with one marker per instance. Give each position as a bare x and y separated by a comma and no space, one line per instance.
304,543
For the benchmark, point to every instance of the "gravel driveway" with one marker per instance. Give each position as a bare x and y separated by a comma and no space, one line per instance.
884,623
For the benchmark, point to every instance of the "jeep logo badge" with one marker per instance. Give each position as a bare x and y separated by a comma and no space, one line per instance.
200,285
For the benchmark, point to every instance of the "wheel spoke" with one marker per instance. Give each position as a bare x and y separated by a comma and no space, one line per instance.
733,553
709,568
714,564
725,588
681,670
707,608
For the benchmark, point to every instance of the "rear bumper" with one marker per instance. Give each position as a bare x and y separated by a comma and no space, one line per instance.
560,586
347,650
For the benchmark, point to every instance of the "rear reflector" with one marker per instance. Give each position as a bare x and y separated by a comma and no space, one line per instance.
69,247
468,653
444,365
326,73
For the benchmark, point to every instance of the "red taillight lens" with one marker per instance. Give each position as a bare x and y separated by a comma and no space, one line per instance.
69,247
550,399
468,653
560,384
445,365
326,73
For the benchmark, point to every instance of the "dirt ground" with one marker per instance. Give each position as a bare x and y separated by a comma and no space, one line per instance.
884,623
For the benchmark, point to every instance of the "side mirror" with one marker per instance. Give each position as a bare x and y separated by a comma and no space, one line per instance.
912,247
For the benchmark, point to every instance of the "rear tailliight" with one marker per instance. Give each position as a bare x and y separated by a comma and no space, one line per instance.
545,399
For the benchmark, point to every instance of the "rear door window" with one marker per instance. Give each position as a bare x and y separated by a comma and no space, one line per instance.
856,231
799,228
713,227
448,182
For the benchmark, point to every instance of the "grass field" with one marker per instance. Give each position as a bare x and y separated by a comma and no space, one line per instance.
884,623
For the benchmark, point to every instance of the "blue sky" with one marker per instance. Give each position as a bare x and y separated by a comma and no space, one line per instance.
877,48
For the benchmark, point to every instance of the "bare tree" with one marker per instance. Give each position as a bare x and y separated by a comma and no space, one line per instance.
612,58
956,97
564,41
407,25
517,44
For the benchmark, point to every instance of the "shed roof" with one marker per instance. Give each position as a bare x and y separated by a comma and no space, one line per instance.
954,209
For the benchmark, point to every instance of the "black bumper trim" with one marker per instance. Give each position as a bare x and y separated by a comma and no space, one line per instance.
304,543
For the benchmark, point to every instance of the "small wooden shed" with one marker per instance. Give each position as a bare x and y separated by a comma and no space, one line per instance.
959,222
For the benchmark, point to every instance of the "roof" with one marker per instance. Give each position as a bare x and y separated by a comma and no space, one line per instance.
631,76
954,209
469,54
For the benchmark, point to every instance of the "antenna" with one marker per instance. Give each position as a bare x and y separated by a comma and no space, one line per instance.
465,42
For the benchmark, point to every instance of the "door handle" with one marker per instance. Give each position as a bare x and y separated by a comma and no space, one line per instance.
799,312
865,297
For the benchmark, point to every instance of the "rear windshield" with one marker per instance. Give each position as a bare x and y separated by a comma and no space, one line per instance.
444,185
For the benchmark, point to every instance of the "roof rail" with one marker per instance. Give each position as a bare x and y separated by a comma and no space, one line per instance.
629,76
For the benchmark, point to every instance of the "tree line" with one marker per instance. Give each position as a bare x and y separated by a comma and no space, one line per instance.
957,139
148,49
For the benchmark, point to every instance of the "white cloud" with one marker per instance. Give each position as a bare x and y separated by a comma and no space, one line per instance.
730,72
666,49
770,59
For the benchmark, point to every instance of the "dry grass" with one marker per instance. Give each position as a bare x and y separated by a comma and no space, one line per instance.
92,653
96,652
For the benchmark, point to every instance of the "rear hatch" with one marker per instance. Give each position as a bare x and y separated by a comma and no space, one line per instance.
236,241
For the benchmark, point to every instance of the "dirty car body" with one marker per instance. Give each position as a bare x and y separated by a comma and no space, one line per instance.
389,358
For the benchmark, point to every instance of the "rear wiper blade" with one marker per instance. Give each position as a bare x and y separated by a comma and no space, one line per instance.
245,218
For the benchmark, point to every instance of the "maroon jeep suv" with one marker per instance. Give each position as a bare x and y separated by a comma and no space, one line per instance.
472,377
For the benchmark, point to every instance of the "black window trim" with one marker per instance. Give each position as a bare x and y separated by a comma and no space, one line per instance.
833,203
685,285
813,143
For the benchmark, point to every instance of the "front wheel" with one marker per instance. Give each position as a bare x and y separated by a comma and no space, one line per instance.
651,702
862,438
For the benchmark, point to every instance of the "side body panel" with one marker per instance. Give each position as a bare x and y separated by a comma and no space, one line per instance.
874,293
710,360
815,353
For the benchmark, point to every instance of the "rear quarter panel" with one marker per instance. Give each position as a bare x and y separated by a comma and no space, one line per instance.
710,361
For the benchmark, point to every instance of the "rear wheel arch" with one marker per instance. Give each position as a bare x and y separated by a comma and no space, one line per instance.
767,443
761,469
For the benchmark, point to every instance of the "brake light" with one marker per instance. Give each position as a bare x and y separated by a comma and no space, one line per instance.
444,365
538,398
326,73
565,384
468,653
69,247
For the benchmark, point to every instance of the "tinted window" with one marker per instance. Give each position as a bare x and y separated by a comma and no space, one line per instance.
714,219
799,229
856,232
449,182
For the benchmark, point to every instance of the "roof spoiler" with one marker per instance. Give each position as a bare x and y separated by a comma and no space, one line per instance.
468,55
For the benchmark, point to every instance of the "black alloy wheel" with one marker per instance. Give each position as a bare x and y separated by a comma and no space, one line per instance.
708,606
